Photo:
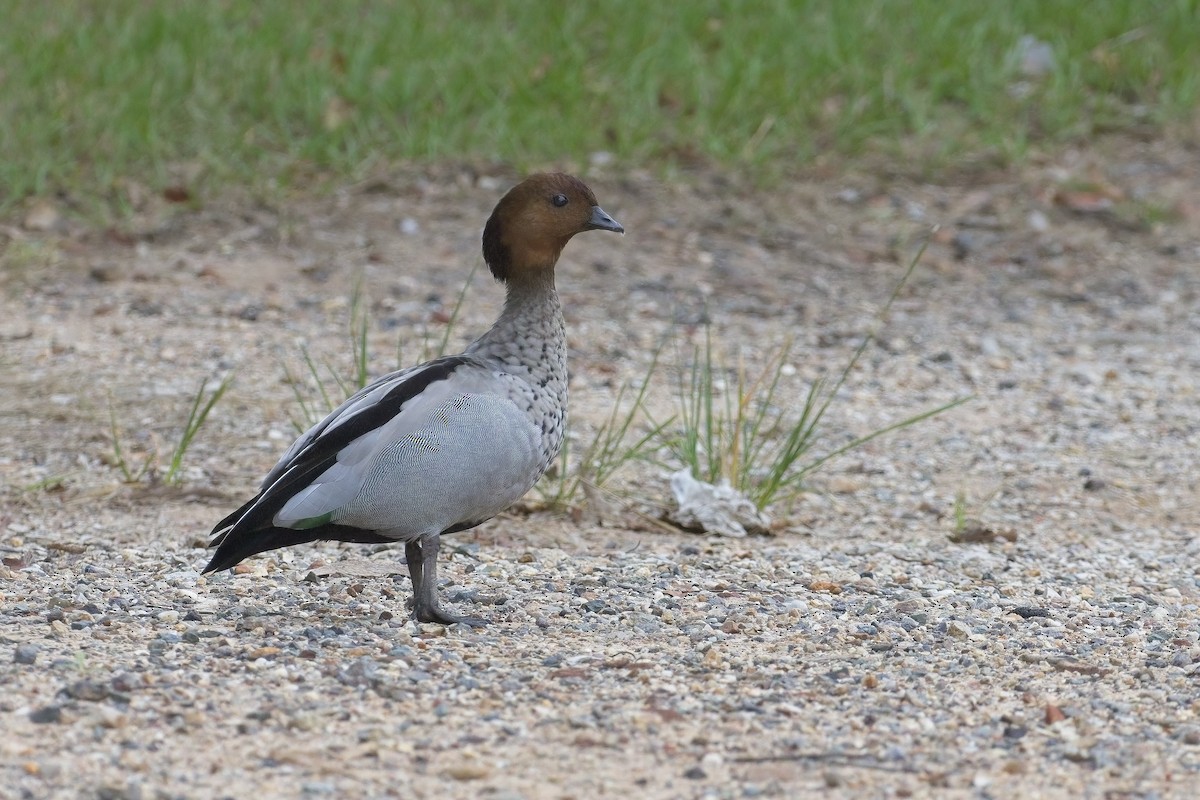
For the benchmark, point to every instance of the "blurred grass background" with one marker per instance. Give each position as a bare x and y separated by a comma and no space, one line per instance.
270,94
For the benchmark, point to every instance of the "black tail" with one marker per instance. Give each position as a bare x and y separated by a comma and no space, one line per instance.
234,545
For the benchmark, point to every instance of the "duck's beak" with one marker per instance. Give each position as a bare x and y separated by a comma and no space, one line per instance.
601,221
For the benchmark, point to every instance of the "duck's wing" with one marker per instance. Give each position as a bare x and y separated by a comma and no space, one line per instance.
378,410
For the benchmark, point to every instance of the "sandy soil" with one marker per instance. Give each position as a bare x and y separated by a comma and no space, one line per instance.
859,652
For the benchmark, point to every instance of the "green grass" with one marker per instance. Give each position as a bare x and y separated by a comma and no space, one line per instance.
271,93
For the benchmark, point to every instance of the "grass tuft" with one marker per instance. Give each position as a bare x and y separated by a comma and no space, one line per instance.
754,439
610,449
203,403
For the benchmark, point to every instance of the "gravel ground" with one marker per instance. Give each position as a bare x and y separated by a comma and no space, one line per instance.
876,646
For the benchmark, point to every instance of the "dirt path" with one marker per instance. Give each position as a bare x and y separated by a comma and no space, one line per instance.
858,653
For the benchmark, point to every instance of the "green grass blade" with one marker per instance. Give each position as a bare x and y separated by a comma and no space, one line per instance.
195,421
812,466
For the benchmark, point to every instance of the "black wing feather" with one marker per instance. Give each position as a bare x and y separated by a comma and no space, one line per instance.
249,530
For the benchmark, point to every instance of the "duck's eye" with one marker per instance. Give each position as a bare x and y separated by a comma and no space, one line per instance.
559,200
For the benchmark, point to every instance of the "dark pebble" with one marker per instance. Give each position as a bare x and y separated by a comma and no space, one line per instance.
1028,612
695,774
125,681
360,672
117,793
25,654
144,307
45,715
93,691
963,244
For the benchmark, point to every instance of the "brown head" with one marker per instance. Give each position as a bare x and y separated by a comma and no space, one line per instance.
533,223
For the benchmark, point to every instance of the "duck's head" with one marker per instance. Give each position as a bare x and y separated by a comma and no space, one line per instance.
532,224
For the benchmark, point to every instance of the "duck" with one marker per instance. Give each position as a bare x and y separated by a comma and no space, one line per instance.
444,446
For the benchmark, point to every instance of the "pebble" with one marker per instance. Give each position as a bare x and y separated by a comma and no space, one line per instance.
25,654
46,715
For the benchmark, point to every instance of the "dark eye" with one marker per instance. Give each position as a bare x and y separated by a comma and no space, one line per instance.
559,200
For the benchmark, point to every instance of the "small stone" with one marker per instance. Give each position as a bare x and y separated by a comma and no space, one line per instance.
25,654
467,772
963,245
695,774
317,787
1188,734
958,630
105,272
825,586
42,216
844,484
92,691
263,652
1035,58
46,715
1015,732
125,682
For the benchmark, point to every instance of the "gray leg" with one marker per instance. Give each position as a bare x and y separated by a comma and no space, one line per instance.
412,555
422,568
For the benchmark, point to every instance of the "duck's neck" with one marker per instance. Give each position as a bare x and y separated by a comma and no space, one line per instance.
530,331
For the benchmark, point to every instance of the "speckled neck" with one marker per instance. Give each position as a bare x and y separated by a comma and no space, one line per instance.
530,332
528,346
